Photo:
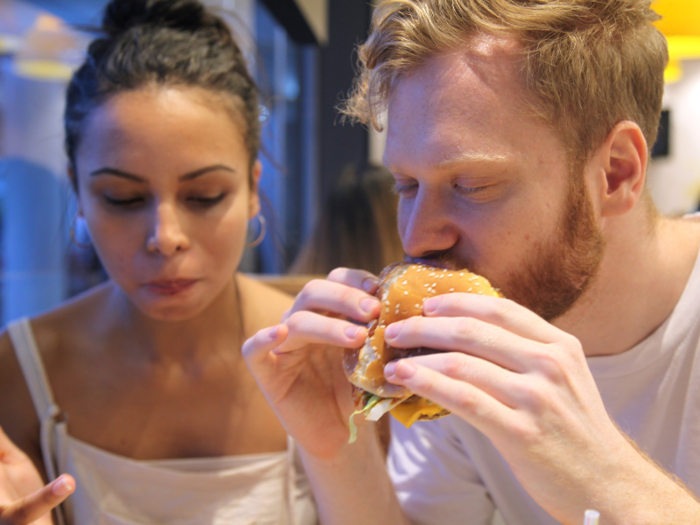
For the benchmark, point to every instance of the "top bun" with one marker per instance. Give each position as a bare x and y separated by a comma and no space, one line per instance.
403,288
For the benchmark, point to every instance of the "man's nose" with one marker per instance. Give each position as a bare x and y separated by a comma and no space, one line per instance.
427,224
167,235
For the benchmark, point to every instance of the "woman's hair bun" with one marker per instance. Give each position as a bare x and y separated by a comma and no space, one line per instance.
122,15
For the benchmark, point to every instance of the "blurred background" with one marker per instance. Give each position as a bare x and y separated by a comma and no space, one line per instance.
303,55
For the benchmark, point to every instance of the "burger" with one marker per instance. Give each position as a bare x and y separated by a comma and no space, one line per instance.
403,288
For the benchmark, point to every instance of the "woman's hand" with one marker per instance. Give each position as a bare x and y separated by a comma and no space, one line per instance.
23,497
298,363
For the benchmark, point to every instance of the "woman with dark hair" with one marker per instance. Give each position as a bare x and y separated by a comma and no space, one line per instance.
135,393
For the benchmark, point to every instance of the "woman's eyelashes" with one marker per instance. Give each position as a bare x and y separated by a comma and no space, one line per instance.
206,201
137,201
124,202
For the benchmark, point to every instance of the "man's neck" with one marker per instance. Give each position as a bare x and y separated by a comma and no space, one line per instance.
642,276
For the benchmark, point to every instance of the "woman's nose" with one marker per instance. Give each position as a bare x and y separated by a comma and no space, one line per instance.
167,235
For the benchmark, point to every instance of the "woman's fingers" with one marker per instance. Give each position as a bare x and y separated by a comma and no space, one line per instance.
37,505
493,310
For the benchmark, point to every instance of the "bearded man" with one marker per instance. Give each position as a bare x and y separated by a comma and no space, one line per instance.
518,132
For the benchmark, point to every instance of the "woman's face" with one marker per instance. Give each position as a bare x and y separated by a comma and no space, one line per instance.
164,186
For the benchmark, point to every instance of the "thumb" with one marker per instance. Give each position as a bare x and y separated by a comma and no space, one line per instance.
36,505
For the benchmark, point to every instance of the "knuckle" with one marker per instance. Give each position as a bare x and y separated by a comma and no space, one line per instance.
530,396
338,274
309,290
346,295
465,401
295,321
454,364
467,328
19,515
503,309
548,363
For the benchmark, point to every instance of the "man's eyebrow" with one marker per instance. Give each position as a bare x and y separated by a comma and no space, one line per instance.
136,178
467,158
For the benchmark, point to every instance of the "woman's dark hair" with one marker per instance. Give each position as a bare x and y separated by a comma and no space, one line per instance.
161,42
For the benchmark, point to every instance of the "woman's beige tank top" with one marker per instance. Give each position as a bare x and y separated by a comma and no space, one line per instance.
260,489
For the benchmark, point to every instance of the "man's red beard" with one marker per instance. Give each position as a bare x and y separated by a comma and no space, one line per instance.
556,272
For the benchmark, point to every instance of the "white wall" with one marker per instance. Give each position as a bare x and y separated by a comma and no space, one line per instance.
674,181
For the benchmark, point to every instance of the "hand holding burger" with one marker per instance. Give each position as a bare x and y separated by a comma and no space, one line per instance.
403,288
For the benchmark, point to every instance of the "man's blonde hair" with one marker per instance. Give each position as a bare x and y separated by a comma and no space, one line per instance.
587,64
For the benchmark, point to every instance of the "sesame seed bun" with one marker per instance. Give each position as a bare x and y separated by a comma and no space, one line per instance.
403,288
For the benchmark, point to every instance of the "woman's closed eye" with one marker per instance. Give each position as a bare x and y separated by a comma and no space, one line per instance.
125,202
206,201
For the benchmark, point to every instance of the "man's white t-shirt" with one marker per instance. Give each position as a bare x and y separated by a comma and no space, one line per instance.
446,472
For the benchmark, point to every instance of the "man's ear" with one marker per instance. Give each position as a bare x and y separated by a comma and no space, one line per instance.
254,199
623,162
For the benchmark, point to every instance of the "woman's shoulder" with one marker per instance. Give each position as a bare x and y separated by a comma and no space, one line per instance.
54,329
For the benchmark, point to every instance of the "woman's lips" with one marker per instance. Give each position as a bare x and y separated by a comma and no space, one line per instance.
170,287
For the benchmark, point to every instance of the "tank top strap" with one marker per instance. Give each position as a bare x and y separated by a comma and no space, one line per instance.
27,353
291,481
49,414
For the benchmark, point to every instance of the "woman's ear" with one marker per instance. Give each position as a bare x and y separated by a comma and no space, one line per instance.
254,199
622,161
72,177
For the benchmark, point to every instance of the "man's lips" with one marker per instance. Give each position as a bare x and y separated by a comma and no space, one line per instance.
430,262
170,286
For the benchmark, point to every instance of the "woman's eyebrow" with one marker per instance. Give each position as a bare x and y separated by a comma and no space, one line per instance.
116,173
200,172
136,178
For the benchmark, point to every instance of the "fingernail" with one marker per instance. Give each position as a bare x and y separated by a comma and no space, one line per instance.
390,369
272,333
62,487
352,331
369,284
402,369
431,305
393,330
368,304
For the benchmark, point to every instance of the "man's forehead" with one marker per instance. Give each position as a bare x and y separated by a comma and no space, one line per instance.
485,61
477,85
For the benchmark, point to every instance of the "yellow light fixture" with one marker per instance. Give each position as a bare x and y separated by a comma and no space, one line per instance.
48,51
681,26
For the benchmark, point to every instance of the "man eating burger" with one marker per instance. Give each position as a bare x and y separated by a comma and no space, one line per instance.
518,132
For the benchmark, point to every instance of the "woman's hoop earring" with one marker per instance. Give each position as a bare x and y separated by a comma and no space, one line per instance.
261,235
73,237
